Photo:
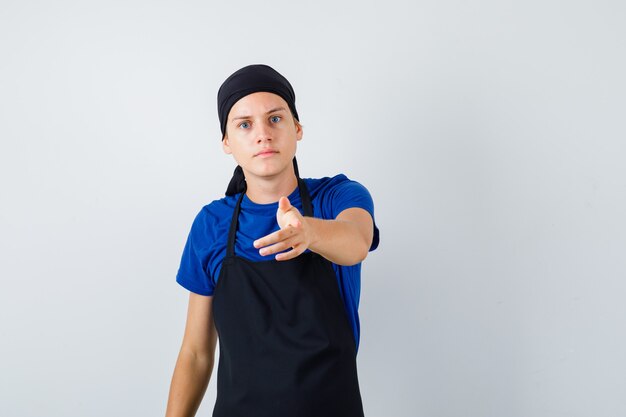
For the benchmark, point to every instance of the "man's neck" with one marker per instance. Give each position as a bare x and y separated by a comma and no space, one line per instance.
265,191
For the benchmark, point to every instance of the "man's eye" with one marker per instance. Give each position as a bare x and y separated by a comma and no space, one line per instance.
244,125
275,119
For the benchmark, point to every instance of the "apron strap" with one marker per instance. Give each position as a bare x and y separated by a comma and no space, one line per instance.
304,192
230,249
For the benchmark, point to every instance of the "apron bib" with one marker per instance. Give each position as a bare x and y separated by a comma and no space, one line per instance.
286,345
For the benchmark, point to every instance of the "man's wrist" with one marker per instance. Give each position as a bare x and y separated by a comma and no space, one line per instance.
312,231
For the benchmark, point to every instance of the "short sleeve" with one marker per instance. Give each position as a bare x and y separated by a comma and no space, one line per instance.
348,194
192,273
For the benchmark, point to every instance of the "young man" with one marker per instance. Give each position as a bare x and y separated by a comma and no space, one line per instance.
273,269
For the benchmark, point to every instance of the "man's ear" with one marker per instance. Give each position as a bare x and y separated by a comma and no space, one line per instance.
299,130
226,145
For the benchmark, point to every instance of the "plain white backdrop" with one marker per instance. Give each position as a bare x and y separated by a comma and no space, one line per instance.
490,134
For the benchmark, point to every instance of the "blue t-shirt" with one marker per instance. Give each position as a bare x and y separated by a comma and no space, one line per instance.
205,249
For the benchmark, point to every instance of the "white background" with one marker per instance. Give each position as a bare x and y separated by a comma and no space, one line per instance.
489,133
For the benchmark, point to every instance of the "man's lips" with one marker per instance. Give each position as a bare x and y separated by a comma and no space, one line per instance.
266,152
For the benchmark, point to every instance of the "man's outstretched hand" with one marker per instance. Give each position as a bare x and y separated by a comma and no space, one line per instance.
294,233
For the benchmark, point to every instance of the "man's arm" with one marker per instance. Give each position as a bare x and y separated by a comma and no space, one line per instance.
195,359
345,240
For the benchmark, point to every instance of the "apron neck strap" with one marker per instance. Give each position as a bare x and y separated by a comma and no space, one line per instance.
307,208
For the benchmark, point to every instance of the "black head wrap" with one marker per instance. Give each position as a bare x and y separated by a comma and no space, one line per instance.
251,79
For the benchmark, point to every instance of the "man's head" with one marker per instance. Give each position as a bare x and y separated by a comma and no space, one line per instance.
259,123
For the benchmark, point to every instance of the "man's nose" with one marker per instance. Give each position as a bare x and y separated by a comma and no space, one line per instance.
263,133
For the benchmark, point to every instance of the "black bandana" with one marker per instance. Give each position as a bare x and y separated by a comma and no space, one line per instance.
252,79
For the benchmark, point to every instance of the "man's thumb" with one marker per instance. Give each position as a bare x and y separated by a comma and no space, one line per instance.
284,204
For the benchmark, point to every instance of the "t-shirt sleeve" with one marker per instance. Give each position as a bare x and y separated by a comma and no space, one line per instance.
348,194
192,273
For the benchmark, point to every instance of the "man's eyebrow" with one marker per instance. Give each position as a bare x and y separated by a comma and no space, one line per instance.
274,110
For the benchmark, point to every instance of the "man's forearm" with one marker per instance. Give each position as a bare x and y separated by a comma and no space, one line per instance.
339,241
189,383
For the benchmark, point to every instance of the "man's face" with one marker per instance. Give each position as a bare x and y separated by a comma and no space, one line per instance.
261,134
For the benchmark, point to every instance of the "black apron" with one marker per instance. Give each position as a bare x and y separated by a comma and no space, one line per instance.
286,345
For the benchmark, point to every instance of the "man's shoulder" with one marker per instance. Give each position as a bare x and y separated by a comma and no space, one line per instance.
337,185
317,185
217,209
